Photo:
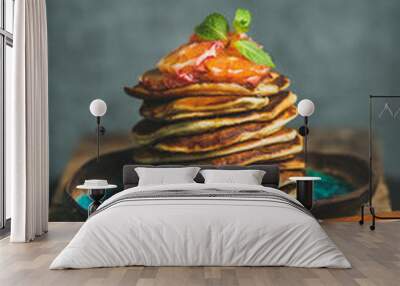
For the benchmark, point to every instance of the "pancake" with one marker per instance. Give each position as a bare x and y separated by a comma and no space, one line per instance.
287,163
293,164
266,87
285,182
267,153
204,106
151,156
147,131
156,80
227,136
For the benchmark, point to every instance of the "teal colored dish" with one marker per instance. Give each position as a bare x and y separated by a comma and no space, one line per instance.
330,186
84,201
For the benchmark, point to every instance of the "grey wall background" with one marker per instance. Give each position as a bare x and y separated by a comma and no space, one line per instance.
335,52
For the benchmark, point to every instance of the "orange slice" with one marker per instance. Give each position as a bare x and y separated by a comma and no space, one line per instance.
230,68
187,59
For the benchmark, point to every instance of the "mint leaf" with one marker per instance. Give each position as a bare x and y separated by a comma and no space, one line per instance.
242,20
214,27
254,53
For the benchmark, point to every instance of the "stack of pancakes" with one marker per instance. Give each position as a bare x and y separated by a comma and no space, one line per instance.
218,123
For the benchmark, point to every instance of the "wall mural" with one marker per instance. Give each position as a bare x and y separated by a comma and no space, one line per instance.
219,97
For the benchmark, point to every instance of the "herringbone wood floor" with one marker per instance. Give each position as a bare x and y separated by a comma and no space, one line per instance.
375,257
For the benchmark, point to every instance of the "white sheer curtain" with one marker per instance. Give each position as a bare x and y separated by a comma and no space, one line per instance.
27,124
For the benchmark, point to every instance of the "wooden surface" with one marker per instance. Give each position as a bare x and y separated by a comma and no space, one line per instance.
85,151
375,257
62,208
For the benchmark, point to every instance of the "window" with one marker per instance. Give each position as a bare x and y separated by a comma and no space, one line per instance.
6,64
